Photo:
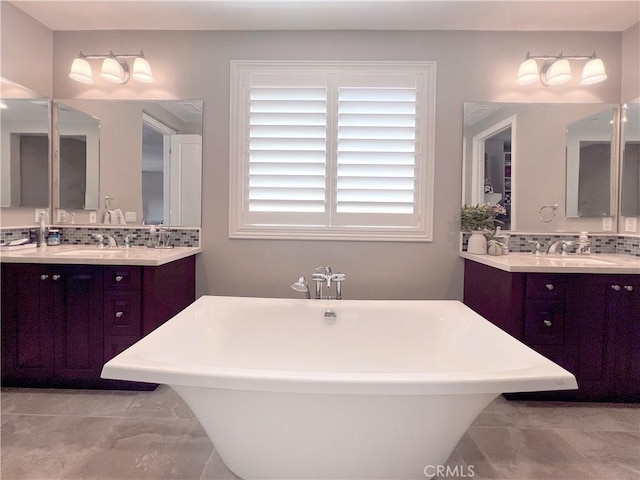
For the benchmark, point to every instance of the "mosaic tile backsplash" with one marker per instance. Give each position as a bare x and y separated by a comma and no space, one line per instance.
139,237
600,243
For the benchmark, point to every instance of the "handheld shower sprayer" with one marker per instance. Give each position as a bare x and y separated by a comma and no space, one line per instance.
302,286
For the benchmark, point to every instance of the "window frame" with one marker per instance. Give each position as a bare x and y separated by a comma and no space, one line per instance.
425,157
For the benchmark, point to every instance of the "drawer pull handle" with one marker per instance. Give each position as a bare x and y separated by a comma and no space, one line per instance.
628,288
119,278
547,322
119,314
616,287
56,277
549,286
44,277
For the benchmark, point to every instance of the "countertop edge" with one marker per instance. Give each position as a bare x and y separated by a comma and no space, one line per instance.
50,256
501,262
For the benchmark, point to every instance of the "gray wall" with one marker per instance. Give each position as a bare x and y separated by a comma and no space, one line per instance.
631,64
26,50
470,66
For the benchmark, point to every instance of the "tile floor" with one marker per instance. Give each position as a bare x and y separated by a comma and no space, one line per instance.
89,434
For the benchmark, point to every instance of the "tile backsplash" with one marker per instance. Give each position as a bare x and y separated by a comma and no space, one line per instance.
600,243
81,235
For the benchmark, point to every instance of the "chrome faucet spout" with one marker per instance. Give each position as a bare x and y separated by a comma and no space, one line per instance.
324,276
563,244
101,237
111,241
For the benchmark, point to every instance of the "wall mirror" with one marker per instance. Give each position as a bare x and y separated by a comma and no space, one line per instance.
77,152
150,160
24,152
630,178
591,152
515,154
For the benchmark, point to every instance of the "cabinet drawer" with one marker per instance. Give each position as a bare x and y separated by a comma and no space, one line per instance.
544,322
545,286
122,313
122,278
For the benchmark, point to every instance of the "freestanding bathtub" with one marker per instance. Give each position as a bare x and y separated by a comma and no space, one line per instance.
381,390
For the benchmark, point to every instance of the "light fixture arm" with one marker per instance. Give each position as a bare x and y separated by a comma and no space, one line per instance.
560,56
111,55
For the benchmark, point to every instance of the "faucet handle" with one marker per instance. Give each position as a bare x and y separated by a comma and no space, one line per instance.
537,247
100,238
127,239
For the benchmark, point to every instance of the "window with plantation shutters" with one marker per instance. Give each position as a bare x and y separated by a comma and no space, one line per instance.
332,150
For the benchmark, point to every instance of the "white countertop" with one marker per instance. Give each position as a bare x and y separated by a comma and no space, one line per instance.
527,262
91,255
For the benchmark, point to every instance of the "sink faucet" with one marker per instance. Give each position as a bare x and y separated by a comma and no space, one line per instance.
101,237
164,238
563,244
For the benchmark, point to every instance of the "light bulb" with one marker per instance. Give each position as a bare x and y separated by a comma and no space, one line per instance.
142,70
112,70
81,71
558,72
528,72
593,72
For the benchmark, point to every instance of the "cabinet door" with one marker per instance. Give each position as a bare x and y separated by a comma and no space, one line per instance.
588,318
79,324
28,303
624,345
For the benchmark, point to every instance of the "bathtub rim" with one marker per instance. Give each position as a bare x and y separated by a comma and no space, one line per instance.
133,364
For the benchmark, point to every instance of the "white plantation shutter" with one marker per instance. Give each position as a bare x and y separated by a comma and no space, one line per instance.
377,149
325,150
287,149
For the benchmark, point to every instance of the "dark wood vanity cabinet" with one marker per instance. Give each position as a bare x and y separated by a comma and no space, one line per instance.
51,322
61,323
587,323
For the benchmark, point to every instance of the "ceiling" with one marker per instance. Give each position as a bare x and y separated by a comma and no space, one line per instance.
525,15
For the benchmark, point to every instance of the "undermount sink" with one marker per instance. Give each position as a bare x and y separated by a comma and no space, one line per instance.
583,259
90,253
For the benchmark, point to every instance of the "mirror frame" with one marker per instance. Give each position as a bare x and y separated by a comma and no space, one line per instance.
15,91
153,111
623,130
56,146
468,166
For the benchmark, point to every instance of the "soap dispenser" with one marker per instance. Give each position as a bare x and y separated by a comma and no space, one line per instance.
42,231
584,245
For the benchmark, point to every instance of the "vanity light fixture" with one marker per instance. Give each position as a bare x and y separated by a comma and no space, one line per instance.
556,69
114,68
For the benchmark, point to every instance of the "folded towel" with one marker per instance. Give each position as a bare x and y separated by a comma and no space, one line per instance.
114,217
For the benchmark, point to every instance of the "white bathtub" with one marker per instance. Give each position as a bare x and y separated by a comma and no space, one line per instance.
383,391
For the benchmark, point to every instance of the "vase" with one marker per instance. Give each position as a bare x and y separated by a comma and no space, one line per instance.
477,243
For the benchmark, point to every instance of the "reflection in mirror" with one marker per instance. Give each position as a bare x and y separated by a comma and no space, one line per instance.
538,161
24,152
79,159
630,178
492,155
590,159
150,159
